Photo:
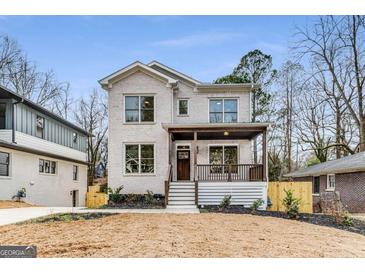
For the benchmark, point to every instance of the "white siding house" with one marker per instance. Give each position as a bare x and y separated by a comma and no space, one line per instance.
41,153
162,122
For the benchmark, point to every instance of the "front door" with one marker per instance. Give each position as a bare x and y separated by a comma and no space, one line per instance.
183,164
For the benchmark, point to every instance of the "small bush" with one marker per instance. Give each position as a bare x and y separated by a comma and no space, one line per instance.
114,194
291,204
150,198
256,204
226,202
344,218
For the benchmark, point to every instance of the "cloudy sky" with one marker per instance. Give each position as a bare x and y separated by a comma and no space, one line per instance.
83,49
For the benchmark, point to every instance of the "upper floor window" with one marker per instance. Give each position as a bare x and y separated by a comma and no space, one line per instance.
139,109
4,164
2,115
183,107
223,110
46,166
74,137
40,127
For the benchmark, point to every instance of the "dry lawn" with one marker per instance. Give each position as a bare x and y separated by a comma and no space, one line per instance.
11,204
187,235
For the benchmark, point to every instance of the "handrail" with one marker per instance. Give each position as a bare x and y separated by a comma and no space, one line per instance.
230,173
196,186
167,184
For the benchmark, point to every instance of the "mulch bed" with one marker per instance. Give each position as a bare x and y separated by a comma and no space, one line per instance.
133,206
136,201
65,217
317,219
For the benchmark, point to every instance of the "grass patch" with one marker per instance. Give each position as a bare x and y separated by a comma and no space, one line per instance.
67,217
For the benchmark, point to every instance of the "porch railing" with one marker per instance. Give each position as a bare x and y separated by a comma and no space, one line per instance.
230,173
167,184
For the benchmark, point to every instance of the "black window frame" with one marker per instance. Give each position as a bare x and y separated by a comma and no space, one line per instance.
316,183
40,127
4,117
6,164
75,172
47,167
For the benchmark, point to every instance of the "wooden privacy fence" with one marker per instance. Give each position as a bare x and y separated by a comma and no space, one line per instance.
301,190
95,198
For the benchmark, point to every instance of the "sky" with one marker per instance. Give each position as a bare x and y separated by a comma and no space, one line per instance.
83,49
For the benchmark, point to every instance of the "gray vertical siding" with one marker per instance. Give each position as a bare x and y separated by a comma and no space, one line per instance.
54,131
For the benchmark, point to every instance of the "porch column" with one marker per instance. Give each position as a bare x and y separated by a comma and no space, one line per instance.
264,155
170,147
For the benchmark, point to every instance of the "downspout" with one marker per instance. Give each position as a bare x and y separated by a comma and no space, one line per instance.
13,119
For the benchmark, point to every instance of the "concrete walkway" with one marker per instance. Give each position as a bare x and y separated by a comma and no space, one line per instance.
15,215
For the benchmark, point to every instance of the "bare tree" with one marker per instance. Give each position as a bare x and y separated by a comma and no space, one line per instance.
290,80
64,102
337,46
91,114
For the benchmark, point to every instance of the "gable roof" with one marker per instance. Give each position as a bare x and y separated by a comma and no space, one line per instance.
7,93
171,76
158,66
348,164
130,69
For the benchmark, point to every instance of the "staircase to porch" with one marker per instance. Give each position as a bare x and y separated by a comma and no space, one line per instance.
181,195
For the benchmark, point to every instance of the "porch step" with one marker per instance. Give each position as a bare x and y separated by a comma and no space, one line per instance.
182,198
182,203
182,194
181,206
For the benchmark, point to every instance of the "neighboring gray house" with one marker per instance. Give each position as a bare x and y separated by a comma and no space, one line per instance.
188,140
41,152
345,175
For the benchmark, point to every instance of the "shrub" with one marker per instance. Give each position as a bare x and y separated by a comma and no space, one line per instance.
344,218
226,202
256,204
114,194
150,198
19,195
291,204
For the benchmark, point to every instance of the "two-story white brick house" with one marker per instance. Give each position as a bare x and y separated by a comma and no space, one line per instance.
40,152
177,136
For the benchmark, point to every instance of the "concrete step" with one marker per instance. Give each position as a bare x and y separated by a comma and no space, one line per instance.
182,183
182,193
181,203
181,206
182,198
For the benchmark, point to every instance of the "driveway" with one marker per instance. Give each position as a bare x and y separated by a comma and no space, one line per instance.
15,215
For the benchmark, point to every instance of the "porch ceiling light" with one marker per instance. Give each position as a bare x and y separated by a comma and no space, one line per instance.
226,133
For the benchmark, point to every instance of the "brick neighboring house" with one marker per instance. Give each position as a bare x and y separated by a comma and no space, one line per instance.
345,175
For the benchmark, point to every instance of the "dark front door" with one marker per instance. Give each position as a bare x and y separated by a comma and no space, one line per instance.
183,164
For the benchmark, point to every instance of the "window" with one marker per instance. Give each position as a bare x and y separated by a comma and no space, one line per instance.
2,115
139,109
74,137
4,164
47,167
139,158
316,183
75,173
40,127
183,107
331,182
223,110
218,155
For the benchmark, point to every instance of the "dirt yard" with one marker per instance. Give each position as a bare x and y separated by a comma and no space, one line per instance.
184,235
11,204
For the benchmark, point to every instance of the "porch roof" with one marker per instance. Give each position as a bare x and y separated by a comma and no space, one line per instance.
208,131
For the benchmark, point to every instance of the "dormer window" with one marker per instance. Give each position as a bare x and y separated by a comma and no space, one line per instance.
40,127
139,109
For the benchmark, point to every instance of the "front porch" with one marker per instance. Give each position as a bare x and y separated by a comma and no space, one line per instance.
217,159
